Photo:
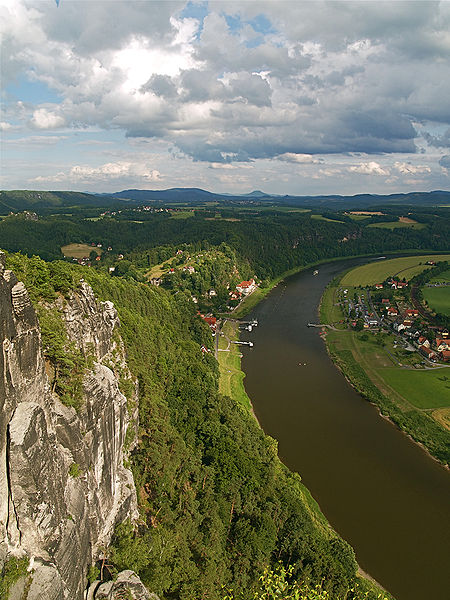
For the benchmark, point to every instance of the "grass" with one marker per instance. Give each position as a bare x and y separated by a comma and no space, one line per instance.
330,312
417,400
445,276
322,218
438,299
397,224
182,214
79,250
359,217
231,382
424,389
378,270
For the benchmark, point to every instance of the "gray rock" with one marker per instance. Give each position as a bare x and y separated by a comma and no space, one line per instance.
127,585
60,520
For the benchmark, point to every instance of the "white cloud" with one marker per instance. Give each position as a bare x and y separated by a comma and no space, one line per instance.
369,168
298,158
44,119
409,169
324,79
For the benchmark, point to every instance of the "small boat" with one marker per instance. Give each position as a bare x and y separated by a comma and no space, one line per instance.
316,272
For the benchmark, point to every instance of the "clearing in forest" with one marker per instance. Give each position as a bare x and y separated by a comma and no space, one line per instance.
79,250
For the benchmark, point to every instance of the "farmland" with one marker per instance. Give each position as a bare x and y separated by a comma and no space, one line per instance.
378,270
79,250
397,224
438,299
424,389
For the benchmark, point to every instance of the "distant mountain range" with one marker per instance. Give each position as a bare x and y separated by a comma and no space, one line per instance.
18,200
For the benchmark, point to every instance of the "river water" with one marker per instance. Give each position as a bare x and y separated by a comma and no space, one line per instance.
378,489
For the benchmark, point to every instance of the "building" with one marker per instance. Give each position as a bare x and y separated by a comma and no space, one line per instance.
427,352
411,312
246,287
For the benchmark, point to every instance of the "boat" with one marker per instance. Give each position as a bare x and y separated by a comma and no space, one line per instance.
316,272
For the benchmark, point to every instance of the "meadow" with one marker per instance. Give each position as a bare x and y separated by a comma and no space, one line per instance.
445,276
231,381
438,299
397,225
79,250
378,270
423,388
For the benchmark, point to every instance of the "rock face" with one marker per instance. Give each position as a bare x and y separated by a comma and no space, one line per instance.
62,480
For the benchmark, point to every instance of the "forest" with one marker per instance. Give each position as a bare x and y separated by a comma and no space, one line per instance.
217,506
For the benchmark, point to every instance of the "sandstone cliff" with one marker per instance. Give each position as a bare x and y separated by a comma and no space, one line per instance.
62,479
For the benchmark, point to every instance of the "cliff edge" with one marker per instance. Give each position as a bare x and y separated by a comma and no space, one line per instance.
63,483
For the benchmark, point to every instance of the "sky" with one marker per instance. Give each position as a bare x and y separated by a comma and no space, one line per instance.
315,97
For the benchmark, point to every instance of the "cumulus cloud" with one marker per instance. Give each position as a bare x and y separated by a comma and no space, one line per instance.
369,168
298,158
248,82
119,170
409,169
45,119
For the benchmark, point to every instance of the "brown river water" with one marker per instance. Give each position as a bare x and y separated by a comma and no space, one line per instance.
378,489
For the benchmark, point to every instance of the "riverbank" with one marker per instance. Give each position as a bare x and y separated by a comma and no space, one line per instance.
260,293
231,381
373,372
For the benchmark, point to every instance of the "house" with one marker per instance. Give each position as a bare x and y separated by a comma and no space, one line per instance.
378,286
212,293
392,311
97,257
445,355
411,312
423,341
385,301
401,284
171,271
212,321
427,352
407,322
155,281
246,287
442,344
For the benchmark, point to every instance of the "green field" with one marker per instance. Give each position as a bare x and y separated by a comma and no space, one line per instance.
438,299
79,250
424,389
182,214
445,276
322,218
231,381
378,270
359,217
397,224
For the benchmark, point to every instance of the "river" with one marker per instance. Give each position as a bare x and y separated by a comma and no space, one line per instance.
378,489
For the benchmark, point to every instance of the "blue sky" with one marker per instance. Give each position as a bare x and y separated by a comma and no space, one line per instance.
288,97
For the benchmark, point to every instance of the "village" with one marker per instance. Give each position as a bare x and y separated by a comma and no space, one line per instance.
388,307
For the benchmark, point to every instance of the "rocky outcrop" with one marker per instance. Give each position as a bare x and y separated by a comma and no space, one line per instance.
63,483
127,585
